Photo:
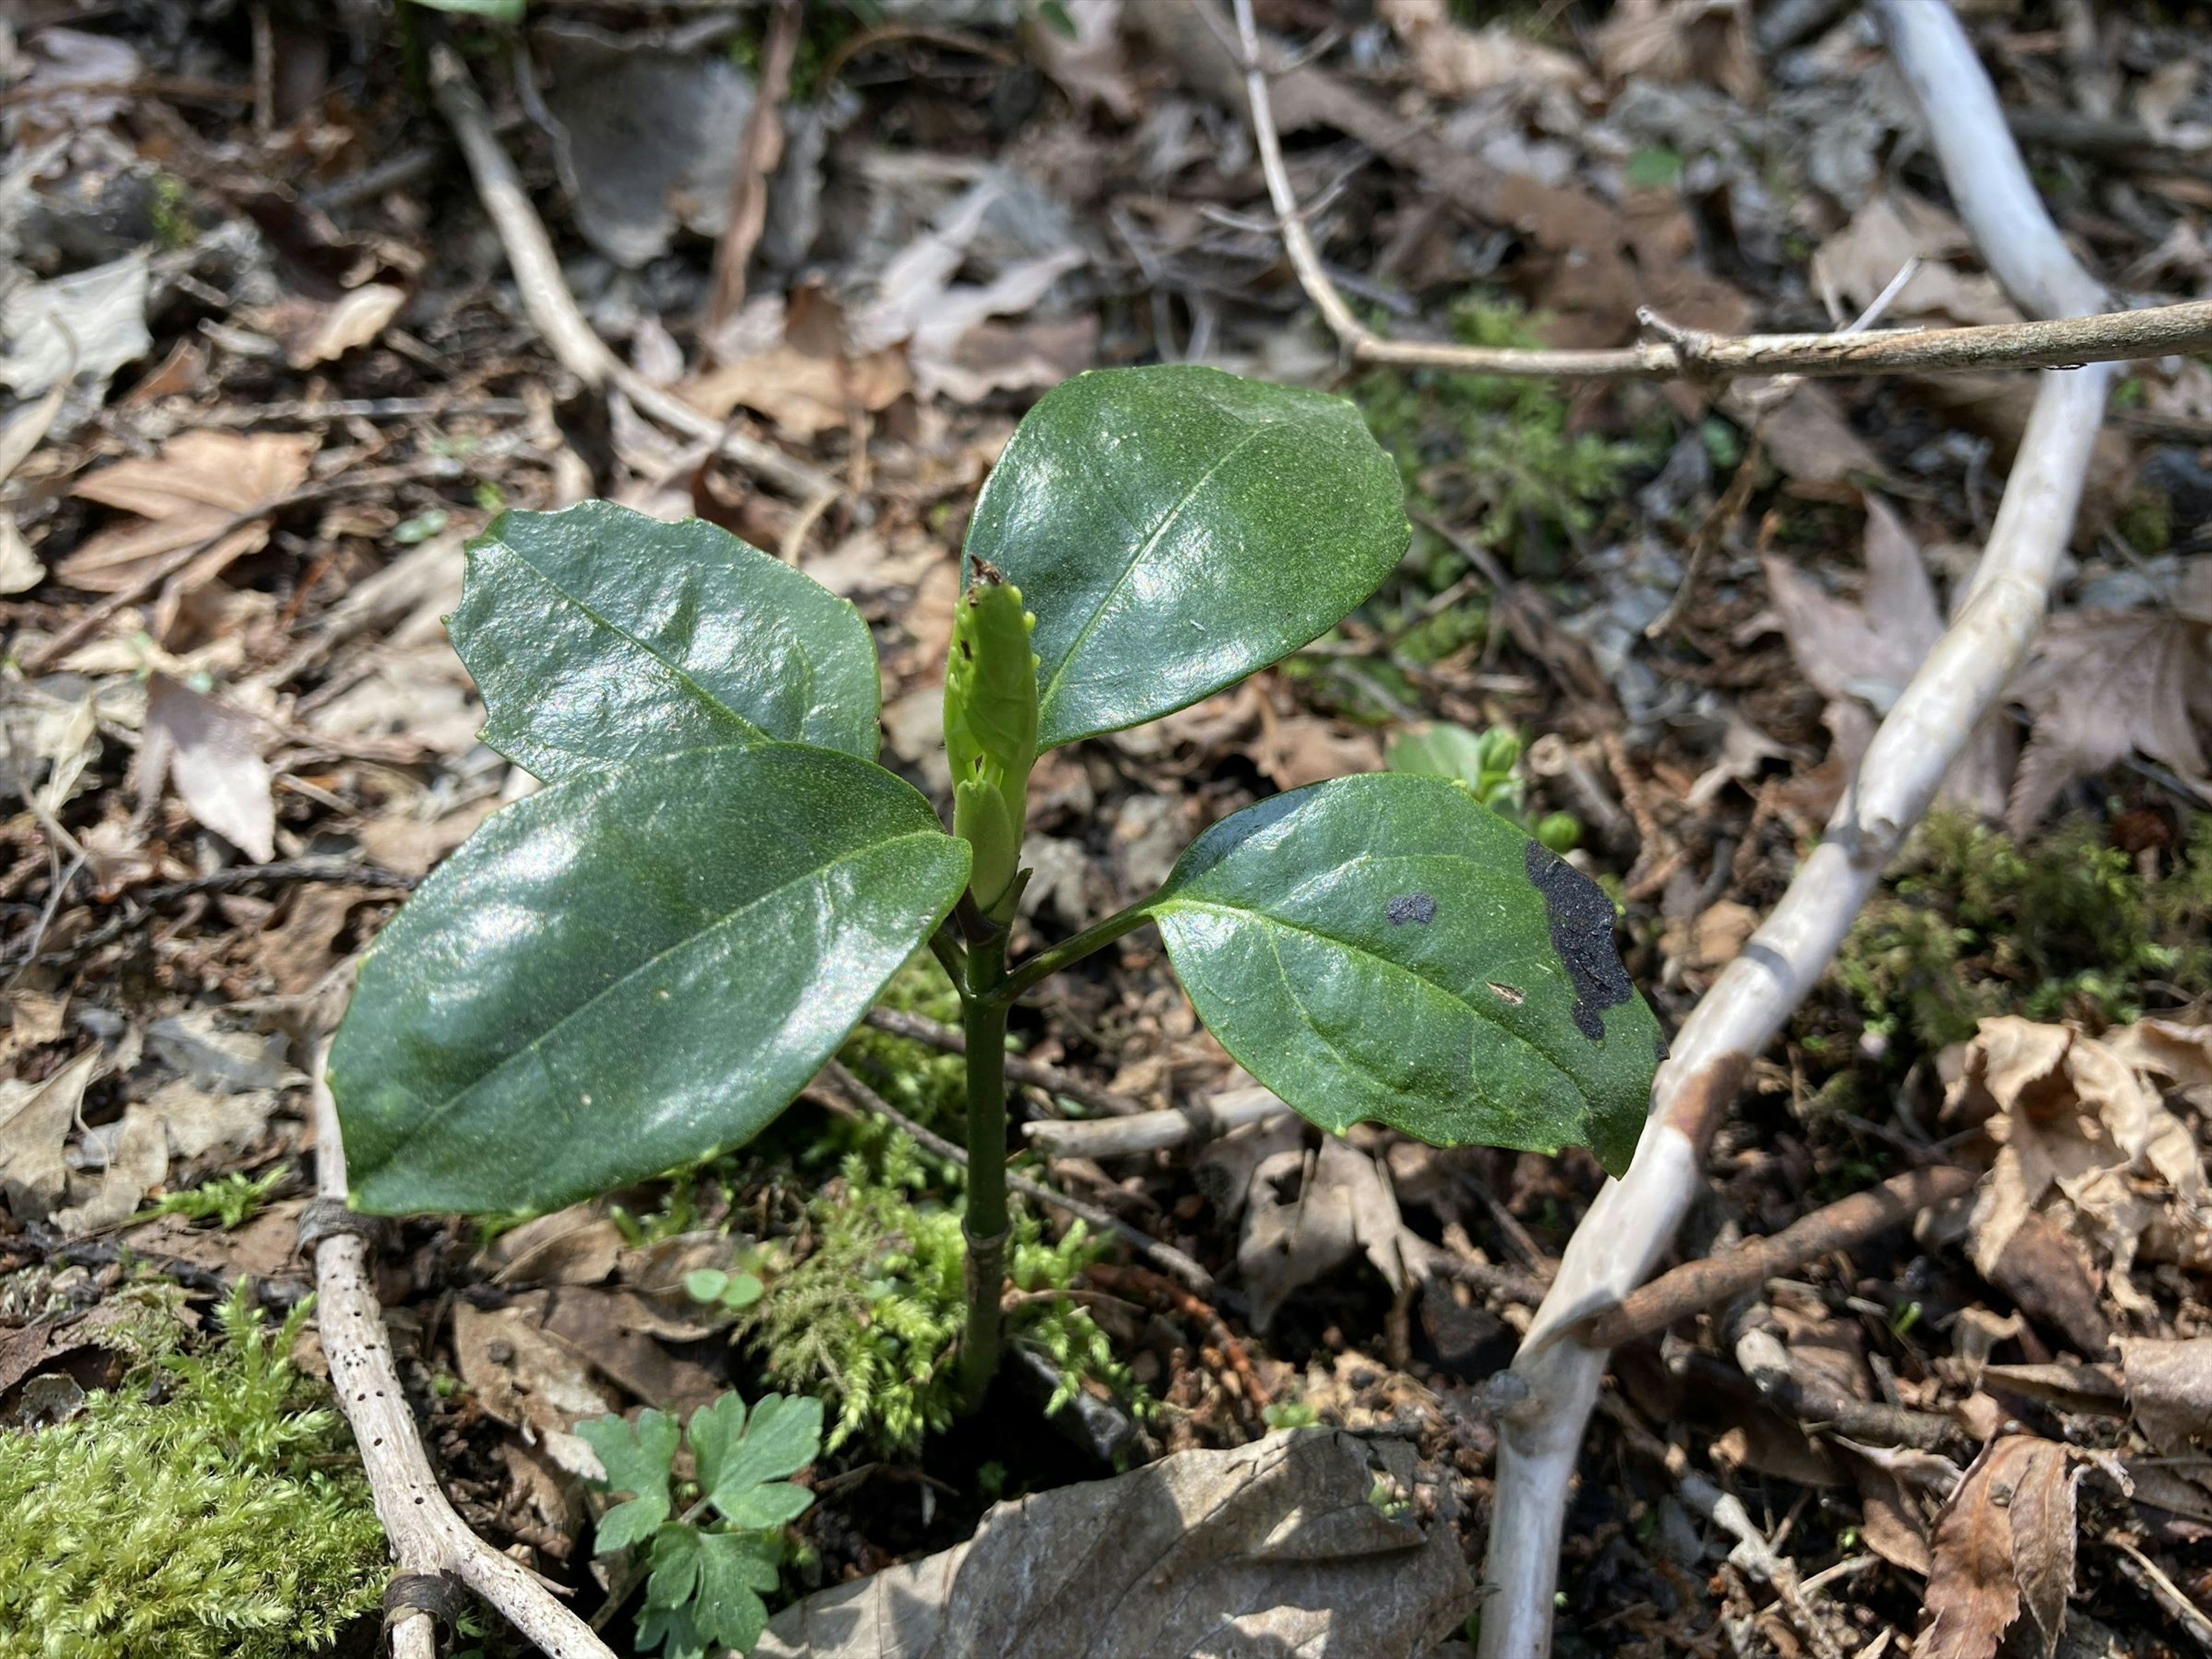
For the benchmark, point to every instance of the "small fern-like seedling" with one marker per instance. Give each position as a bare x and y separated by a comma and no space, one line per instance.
707,1570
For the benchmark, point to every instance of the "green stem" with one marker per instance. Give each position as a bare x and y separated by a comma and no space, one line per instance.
1096,937
983,1020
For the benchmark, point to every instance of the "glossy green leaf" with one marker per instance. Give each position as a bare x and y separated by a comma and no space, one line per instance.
629,970
598,636
1382,947
1176,528
637,1457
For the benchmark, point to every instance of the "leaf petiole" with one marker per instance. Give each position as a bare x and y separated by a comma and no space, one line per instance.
1067,952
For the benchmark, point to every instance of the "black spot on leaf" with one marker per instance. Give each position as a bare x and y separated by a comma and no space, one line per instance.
1581,918
1411,907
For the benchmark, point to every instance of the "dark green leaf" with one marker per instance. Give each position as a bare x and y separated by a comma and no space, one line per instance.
675,1577
1176,528
734,1571
629,970
637,1457
742,1465
1382,947
598,635
672,1631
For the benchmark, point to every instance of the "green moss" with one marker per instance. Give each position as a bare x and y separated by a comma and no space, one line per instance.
230,1201
1974,925
228,1521
1496,451
870,1316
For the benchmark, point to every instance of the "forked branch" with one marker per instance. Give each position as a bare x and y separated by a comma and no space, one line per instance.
1669,352
1629,1227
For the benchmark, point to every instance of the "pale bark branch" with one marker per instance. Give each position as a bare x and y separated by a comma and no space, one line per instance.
426,1535
2069,339
553,309
1629,1226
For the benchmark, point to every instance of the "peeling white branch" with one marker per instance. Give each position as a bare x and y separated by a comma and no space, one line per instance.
427,1537
1629,1227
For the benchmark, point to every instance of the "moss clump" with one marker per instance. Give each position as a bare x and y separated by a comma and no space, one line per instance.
226,1521
1976,925
870,1314
1494,450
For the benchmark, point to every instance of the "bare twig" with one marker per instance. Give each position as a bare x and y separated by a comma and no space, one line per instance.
858,1096
553,308
953,1041
427,1539
1155,1131
1672,353
1630,1224
762,154
1696,1285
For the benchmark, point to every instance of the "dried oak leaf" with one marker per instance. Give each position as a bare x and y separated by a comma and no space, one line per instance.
199,483
2003,1544
2085,1139
2103,685
1869,651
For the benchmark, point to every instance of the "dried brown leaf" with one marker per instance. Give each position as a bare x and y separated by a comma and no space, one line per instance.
1452,62
200,482
2004,1541
212,752
138,1159
520,1374
1090,67
1276,1548
2102,685
314,332
34,1124
1682,40
2170,1388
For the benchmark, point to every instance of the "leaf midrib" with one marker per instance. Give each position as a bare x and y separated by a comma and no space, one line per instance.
1276,924
684,675
530,1050
1137,557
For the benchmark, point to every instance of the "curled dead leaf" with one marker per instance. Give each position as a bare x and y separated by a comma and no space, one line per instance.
2003,1545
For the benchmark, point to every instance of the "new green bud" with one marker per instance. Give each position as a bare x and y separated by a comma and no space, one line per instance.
990,733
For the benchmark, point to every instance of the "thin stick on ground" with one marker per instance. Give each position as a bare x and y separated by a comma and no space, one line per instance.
427,1538
1696,1285
1629,1226
858,1096
553,309
1674,353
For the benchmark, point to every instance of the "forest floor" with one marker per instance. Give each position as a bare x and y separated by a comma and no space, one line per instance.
270,373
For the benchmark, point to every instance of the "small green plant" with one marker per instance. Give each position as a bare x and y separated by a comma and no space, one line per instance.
1489,764
709,1565
228,1521
1290,1415
712,1286
643,962
871,1316
229,1200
